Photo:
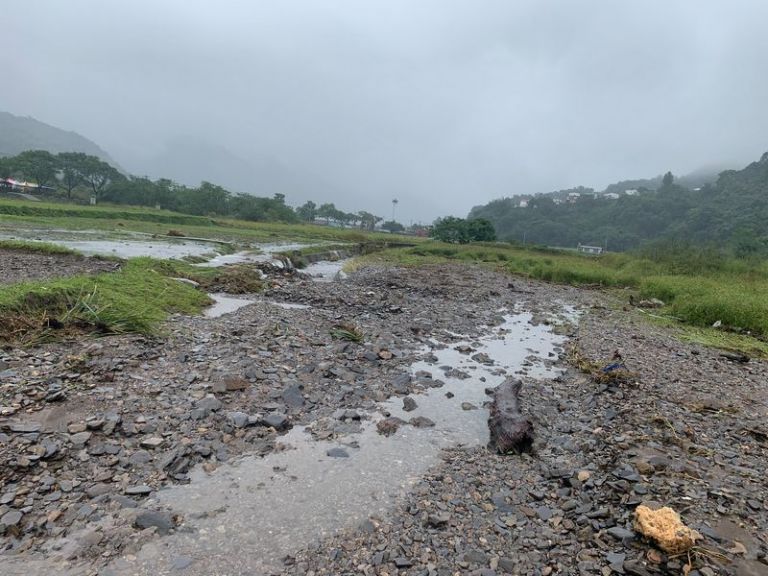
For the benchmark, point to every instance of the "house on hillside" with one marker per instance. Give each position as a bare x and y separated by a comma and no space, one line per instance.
631,192
611,196
592,250
573,196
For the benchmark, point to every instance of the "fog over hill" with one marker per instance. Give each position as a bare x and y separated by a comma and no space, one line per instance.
18,133
442,105
189,160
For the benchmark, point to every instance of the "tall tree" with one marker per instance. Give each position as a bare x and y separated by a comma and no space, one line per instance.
98,174
481,230
6,168
70,171
39,165
367,220
307,211
450,229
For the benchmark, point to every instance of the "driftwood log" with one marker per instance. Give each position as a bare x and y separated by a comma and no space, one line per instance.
510,430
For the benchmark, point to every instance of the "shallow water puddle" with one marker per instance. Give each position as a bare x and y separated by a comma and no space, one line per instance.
224,304
326,270
259,253
246,516
125,245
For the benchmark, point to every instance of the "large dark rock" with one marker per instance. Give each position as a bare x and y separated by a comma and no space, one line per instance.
510,430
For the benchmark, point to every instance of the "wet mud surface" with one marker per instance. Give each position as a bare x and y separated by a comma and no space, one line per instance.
19,266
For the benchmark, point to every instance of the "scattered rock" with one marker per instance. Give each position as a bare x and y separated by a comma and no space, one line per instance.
421,422
152,442
142,490
163,521
409,404
389,426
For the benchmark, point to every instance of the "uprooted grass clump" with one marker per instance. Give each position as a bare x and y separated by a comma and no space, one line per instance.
348,332
609,372
237,279
136,298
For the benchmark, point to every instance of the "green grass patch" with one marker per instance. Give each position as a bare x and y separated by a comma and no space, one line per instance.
716,338
135,299
41,247
19,214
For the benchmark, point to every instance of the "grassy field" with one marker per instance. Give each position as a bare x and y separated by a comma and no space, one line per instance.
19,215
44,247
143,292
135,299
698,289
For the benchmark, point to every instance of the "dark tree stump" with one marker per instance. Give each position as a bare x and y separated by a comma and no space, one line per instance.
510,430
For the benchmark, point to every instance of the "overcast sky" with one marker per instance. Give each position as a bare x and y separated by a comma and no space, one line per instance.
442,104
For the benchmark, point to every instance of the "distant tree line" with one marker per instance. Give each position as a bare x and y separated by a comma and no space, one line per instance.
78,177
730,213
460,231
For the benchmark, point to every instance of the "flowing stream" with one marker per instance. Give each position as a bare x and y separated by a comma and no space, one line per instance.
246,516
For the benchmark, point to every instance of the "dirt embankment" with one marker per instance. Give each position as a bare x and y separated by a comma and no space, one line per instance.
22,266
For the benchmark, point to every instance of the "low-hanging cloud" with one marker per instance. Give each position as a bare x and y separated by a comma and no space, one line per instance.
442,104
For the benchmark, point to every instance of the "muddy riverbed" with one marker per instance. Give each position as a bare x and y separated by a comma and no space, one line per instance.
247,442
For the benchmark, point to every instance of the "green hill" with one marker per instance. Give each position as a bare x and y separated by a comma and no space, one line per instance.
19,133
731,211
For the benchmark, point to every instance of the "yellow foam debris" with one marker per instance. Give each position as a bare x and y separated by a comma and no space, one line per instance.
665,528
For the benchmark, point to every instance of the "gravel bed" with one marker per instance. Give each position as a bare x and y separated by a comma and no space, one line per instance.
90,429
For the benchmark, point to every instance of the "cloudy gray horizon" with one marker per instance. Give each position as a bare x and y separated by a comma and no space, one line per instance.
441,104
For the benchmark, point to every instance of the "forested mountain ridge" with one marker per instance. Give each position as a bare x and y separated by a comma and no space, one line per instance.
733,211
19,133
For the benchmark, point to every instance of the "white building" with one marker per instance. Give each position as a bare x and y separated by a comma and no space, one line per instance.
594,250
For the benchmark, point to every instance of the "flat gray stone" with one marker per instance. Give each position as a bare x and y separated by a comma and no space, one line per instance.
141,490
80,439
163,521
11,518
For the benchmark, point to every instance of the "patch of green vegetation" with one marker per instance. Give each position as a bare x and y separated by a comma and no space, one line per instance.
716,338
134,299
348,332
50,210
43,247
697,289
19,214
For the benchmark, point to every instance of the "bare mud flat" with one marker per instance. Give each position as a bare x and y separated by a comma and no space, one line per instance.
250,442
20,266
